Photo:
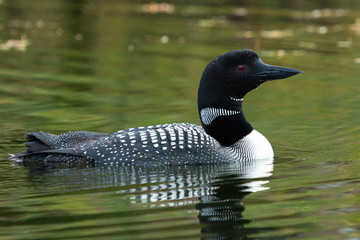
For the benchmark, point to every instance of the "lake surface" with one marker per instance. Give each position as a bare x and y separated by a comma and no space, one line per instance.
110,65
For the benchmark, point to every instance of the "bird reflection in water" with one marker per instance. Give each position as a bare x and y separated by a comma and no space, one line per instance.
221,212
216,191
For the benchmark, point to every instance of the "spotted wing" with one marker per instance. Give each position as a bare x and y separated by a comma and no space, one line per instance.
173,144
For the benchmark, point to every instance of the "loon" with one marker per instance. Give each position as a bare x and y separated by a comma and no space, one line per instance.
225,136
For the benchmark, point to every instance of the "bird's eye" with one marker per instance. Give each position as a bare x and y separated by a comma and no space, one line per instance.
241,68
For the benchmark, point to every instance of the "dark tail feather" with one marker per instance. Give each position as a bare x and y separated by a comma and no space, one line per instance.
36,142
41,145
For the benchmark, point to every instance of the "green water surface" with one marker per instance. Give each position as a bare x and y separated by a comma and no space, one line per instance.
101,65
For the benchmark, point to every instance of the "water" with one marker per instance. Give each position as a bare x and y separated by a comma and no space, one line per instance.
110,65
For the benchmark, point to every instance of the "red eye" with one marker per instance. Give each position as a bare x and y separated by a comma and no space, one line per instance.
241,68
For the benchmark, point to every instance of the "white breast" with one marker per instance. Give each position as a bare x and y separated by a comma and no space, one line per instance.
253,146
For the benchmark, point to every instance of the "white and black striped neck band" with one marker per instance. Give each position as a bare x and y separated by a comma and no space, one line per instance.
209,114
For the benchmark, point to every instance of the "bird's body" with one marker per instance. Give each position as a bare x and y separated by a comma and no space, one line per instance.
226,136
169,144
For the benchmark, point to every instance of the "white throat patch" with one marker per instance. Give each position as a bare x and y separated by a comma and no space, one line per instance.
209,114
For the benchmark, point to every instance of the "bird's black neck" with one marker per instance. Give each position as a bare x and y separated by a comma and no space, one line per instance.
227,123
